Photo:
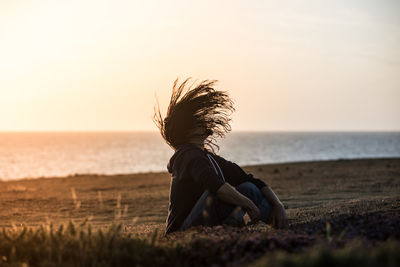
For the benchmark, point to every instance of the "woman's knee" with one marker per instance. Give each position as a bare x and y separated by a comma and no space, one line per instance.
246,186
250,190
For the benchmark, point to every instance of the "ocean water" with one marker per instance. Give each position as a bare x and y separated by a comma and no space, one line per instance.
32,155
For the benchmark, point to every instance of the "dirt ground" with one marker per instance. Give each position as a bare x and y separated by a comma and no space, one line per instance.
312,192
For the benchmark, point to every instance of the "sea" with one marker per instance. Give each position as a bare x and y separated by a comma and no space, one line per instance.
58,154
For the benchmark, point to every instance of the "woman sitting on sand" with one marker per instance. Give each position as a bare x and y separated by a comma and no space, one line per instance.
205,188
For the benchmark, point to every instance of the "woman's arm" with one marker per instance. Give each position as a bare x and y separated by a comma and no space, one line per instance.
230,195
277,216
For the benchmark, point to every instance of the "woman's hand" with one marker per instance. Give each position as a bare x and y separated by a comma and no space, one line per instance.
253,211
277,217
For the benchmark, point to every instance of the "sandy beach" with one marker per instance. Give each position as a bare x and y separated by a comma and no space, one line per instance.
339,211
311,191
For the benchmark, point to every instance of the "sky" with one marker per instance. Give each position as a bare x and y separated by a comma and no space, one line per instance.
288,65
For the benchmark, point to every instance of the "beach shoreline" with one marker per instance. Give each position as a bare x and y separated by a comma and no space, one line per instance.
250,166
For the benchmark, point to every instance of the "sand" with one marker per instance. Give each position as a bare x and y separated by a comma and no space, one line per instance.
312,191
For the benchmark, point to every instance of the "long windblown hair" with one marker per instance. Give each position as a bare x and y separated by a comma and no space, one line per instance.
201,111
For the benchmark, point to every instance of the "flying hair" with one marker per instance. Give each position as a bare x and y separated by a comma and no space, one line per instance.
193,107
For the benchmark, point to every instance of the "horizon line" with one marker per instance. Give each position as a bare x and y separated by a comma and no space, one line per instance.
236,131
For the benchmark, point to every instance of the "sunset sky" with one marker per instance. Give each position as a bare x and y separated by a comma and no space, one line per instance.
288,65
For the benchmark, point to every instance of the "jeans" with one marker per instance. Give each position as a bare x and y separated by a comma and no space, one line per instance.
210,211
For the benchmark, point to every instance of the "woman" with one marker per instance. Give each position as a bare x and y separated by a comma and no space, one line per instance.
205,188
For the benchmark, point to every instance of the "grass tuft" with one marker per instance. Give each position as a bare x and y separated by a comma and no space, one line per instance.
357,254
78,245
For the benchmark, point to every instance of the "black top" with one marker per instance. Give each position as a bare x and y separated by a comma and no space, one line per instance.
192,174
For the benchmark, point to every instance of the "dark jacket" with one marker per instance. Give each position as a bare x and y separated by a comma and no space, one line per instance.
192,174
